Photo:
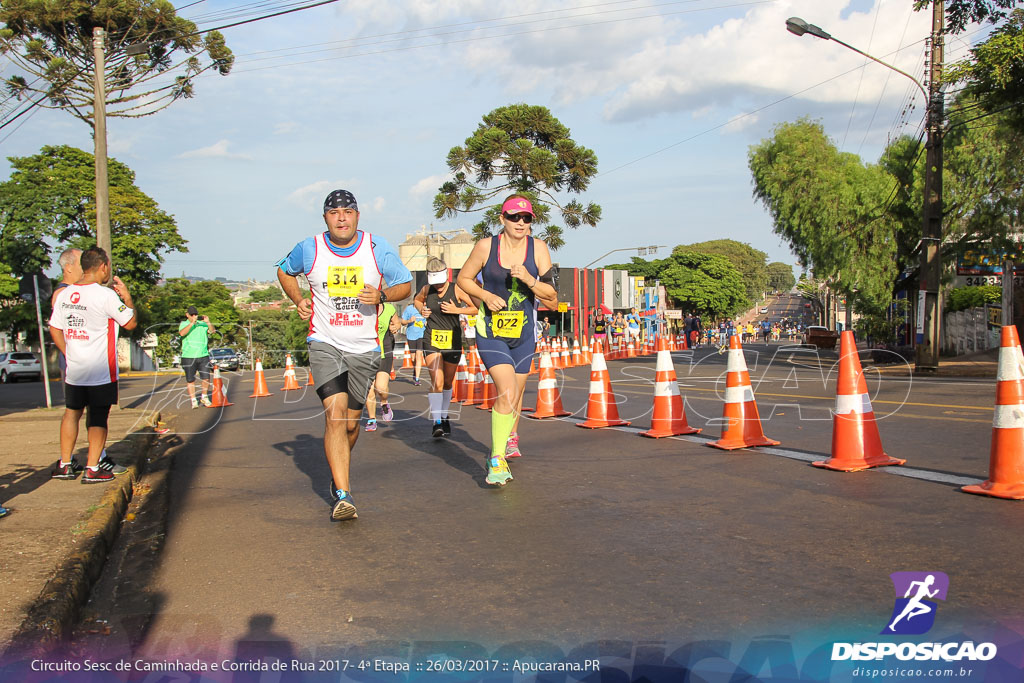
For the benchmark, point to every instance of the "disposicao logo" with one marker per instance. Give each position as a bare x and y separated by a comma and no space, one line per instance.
914,611
914,614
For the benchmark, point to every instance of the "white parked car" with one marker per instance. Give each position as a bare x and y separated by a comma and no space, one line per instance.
15,365
764,309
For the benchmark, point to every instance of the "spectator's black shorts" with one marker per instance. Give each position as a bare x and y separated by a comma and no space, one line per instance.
193,365
415,344
79,397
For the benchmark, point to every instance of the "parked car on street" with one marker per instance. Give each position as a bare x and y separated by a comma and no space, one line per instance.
225,358
15,365
820,337
764,309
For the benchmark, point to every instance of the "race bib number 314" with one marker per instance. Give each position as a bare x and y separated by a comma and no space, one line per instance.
508,324
344,280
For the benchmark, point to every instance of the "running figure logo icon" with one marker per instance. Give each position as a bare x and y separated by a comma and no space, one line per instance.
914,612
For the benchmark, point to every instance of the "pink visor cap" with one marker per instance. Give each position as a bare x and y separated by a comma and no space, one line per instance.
518,205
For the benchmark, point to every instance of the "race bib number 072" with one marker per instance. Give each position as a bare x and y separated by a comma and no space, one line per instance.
344,280
508,324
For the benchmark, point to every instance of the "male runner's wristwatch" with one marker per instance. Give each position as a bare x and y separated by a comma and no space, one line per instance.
383,296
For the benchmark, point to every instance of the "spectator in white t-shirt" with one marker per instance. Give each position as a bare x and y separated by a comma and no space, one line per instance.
84,326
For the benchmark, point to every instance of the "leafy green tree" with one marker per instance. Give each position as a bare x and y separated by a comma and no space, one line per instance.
780,276
523,149
53,42
49,200
273,336
165,308
704,283
959,13
962,298
993,74
265,295
749,262
830,208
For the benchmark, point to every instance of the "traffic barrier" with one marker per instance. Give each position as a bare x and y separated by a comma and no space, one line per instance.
218,396
290,381
549,400
461,380
856,444
260,388
601,408
741,426
669,417
1006,453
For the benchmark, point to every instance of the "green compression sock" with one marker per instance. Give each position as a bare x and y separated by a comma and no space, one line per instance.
501,428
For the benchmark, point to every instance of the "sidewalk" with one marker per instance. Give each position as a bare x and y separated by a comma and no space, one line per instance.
58,532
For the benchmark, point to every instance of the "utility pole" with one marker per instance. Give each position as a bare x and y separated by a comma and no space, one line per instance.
99,109
931,238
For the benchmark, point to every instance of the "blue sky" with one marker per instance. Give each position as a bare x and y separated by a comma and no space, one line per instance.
370,95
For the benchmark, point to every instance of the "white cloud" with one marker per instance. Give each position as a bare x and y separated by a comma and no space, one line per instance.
378,204
428,186
314,193
285,127
217,150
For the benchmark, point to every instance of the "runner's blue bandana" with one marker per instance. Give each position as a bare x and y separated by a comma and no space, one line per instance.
340,199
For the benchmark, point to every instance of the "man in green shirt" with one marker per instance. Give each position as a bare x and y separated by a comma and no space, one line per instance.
195,354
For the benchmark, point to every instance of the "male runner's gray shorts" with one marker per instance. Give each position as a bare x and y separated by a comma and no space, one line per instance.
329,364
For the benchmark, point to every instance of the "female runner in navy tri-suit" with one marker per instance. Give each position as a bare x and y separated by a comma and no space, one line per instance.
516,270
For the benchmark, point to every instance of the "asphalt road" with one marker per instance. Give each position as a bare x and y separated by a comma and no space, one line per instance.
602,534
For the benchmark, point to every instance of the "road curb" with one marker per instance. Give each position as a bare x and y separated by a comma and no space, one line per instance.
51,615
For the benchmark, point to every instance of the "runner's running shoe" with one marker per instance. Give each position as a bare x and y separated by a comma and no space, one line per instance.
438,430
195,403
498,473
69,471
344,506
416,382
206,401
446,426
3,511
386,414
512,447
107,464
371,425
97,476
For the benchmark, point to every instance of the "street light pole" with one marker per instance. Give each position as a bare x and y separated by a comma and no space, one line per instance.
928,317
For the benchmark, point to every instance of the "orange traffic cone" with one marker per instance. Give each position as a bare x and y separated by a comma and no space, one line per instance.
475,386
218,397
459,385
290,382
407,363
601,408
669,417
310,382
742,423
1006,454
488,393
566,355
855,442
577,357
260,389
549,400
630,349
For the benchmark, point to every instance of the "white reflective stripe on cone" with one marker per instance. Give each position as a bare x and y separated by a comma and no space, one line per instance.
1010,364
1009,417
550,383
598,363
666,389
742,394
852,403
664,363
736,357
596,387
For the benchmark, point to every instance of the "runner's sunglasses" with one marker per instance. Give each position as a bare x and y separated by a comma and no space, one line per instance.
516,217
